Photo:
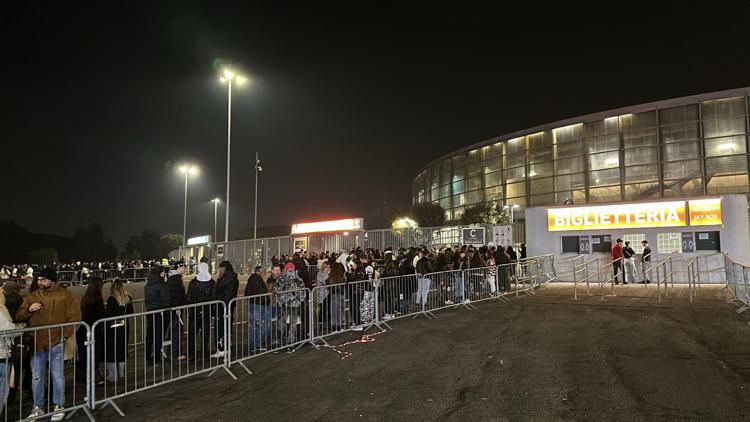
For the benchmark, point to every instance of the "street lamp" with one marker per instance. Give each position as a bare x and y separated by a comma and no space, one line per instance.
511,208
258,169
229,77
188,170
216,208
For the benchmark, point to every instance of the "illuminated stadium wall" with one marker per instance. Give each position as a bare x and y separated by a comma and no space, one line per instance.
683,147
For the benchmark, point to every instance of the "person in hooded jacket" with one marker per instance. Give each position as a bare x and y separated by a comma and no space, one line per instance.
258,314
226,290
200,290
289,296
156,297
177,297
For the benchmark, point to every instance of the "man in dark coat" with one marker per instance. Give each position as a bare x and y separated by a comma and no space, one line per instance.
156,296
177,297
226,290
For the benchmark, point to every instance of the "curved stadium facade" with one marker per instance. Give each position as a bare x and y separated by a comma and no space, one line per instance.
683,147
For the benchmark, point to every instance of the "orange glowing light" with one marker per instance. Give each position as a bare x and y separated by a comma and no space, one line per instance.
649,214
347,224
705,212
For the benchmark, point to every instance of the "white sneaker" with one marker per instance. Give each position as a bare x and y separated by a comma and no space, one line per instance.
35,412
59,414
448,302
387,317
467,301
218,354
357,328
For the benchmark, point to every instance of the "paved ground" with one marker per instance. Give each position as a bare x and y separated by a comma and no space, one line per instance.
539,357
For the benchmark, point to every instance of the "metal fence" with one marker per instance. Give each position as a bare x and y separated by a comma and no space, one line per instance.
138,350
51,361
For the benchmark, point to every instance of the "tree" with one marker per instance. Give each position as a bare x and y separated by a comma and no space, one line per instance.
427,215
486,213
43,256
169,242
90,244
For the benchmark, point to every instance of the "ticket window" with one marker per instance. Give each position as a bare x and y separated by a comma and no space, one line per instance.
635,240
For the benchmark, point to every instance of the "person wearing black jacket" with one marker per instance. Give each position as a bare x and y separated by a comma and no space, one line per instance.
226,290
503,272
258,316
156,297
629,255
177,297
200,290
646,262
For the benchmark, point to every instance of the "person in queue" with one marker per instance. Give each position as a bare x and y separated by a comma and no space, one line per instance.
119,304
617,257
628,255
200,290
177,297
50,304
289,296
6,345
257,310
92,310
156,297
645,262
227,286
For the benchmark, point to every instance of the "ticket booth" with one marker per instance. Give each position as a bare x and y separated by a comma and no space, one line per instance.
681,228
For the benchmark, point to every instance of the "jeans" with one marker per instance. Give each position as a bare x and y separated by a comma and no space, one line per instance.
259,324
617,270
422,290
646,270
630,272
4,381
288,328
55,355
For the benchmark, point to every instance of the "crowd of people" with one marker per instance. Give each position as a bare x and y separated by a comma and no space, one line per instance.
624,263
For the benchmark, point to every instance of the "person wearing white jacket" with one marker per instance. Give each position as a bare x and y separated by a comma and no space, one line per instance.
6,342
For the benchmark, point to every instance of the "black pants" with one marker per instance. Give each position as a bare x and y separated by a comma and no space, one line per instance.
220,330
199,330
175,334
617,269
154,337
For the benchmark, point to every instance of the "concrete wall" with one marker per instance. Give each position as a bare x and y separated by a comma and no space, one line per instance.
734,238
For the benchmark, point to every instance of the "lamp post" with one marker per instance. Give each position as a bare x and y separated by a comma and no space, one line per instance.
258,169
187,169
229,77
216,208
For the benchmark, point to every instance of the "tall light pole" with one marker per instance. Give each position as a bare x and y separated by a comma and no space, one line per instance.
187,169
229,77
216,209
258,169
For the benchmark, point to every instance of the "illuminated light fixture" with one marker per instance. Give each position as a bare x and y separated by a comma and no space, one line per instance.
344,225
228,74
727,148
610,162
346,233
532,173
193,170
404,223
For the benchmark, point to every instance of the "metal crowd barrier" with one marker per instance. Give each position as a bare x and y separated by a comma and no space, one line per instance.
737,276
583,269
664,274
52,362
268,323
179,342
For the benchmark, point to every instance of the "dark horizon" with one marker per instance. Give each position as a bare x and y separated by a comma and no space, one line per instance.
102,102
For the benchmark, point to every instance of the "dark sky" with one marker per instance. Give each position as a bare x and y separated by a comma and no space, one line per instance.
101,100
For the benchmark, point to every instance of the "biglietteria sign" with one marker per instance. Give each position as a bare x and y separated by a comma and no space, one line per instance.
651,214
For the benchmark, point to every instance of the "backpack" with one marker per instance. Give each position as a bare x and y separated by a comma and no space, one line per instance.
204,292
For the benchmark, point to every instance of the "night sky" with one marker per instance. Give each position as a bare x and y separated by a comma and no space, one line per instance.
102,101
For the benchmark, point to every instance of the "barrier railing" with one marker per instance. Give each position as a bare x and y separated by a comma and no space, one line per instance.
268,323
737,276
132,352
43,359
583,270
179,343
611,271
664,275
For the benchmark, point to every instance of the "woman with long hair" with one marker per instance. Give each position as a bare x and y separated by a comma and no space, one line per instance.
92,310
119,303
336,280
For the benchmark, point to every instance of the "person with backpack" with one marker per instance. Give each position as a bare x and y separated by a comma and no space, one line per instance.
201,290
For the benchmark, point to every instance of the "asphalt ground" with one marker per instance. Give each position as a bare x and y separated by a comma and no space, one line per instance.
541,357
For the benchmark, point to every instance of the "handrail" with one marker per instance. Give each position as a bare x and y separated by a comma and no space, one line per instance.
668,275
611,279
587,277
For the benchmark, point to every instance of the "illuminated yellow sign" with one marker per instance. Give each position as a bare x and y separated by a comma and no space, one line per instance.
705,212
347,224
649,214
